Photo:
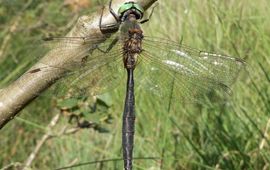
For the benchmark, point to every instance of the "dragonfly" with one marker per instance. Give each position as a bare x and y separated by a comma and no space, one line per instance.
159,64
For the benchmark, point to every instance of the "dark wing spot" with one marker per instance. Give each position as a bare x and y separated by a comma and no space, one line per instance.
35,70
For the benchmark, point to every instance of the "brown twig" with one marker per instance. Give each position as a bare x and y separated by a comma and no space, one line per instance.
44,138
21,92
49,135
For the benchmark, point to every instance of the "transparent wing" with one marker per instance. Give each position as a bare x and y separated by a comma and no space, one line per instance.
73,49
97,76
184,73
93,70
164,68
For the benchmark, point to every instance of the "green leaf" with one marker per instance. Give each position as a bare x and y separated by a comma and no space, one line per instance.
105,99
68,103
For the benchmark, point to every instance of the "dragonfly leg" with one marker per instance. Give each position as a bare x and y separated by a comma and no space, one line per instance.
152,11
112,12
109,28
110,46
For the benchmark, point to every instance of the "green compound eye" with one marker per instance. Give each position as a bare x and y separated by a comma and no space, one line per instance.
129,5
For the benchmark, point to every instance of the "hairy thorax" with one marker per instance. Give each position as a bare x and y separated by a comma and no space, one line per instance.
132,47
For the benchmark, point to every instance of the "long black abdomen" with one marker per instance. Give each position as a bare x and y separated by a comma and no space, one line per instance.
128,122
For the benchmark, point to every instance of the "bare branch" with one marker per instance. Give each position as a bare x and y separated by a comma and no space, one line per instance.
21,92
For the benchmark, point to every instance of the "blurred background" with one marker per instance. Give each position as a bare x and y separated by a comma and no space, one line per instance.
231,135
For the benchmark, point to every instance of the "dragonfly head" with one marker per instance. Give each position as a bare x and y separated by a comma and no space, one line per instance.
130,8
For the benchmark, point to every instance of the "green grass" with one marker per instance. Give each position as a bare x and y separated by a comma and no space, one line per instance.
201,136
